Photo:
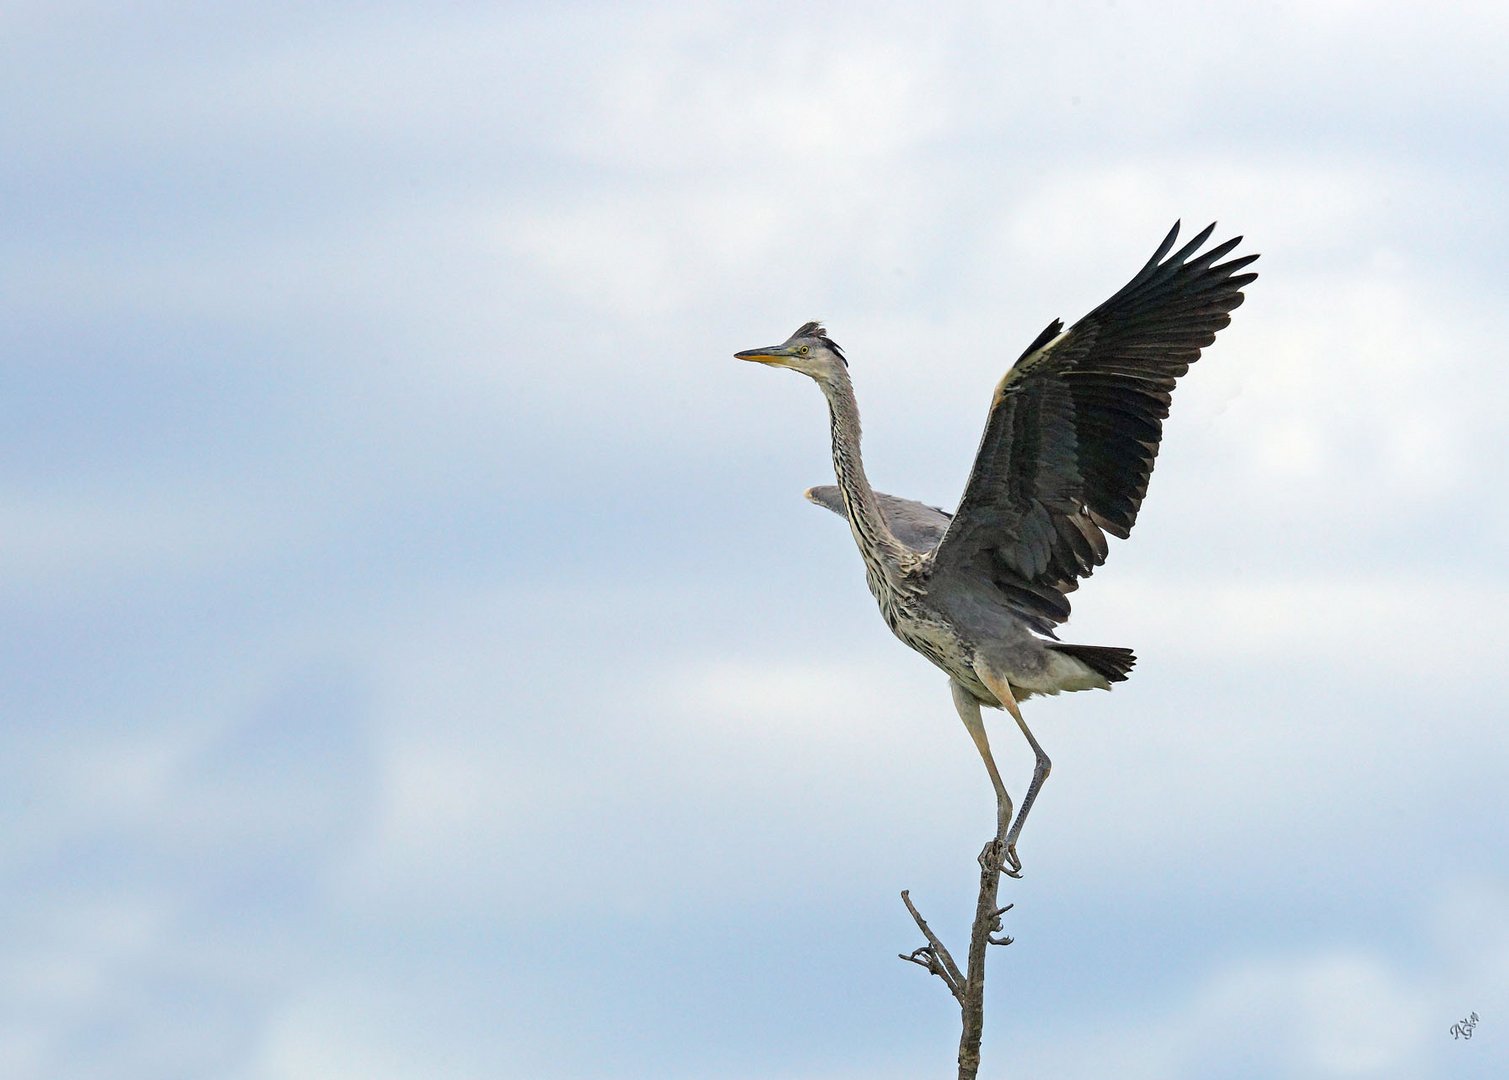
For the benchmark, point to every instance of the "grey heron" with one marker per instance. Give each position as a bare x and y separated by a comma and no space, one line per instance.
1069,444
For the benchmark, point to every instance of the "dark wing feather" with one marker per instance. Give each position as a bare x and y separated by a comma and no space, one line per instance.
915,524
1074,430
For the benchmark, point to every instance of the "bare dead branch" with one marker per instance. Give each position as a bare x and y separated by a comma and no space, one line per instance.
926,957
952,976
987,920
969,989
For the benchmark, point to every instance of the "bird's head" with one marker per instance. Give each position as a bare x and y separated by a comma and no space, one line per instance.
810,350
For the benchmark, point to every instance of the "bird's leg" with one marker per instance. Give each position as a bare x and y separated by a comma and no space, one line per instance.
999,850
1040,770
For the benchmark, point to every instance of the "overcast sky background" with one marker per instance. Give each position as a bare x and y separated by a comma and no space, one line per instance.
419,660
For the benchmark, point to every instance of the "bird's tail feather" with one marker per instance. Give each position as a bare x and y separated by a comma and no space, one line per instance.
1107,661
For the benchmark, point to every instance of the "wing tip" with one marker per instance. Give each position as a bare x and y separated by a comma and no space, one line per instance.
826,496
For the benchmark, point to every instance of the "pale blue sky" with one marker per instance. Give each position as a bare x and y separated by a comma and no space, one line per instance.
420,660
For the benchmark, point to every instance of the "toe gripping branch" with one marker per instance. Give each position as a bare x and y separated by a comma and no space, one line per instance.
995,927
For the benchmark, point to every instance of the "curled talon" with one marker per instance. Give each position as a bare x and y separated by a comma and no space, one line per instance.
998,855
993,933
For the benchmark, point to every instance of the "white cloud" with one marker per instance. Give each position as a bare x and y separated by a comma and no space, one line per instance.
76,541
509,252
1329,1011
798,109
68,963
350,1030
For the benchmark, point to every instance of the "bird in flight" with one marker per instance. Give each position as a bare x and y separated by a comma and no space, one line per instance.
1069,443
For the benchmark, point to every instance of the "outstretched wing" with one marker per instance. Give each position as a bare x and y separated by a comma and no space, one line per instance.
1074,430
915,524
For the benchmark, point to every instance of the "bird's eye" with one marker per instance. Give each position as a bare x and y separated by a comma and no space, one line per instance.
804,350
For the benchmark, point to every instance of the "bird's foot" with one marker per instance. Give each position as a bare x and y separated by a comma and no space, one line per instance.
994,935
1001,855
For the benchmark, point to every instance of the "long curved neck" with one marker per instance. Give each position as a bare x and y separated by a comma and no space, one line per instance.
881,550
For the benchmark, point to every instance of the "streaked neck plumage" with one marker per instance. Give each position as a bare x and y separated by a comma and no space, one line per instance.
885,557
